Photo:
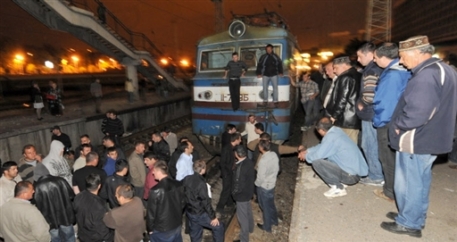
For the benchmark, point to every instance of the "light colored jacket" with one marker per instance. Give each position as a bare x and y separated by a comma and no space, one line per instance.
137,170
249,130
267,171
21,221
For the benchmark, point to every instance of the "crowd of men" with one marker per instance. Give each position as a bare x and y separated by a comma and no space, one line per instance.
403,103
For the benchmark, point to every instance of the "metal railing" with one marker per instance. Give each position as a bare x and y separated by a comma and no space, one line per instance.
137,40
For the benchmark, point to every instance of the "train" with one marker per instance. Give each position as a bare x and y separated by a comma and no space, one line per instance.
248,36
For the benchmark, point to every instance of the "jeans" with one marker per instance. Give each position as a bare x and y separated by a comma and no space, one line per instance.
370,149
246,219
234,88
413,177
266,82
267,204
332,174
311,108
131,97
63,234
173,235
387,158
198,222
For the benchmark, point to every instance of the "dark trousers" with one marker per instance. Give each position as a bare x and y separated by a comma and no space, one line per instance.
98,104
234,88
267,204
198,222
226,194
453,155
387,158
245,218
332,174
173,235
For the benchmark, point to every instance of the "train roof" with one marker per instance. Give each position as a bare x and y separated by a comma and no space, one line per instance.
252,32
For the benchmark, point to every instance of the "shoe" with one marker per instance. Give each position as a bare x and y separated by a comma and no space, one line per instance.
260,226
391,215
381,194
39,119
398,229
304,128
237,240
371,182
453,166
335,192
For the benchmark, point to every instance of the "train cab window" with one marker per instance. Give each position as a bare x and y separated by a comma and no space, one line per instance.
215,59
251,55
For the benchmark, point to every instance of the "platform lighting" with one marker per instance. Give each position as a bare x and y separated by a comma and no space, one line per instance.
306,60
19,57
49,64
88,50
164,61
29,54
75,58
101,61
64,62
112,60
305,55
184,62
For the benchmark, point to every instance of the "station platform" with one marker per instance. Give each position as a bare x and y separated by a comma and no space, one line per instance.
358,215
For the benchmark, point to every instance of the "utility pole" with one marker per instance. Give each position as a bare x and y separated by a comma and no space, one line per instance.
379,21
219,26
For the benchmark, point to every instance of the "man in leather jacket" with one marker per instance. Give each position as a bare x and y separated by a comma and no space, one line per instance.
165,206
159,147
199,210
342,105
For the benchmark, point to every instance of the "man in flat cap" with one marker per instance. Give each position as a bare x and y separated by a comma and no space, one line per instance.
422,125
342,104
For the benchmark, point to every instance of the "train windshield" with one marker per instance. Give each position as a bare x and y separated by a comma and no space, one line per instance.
215,59
250,55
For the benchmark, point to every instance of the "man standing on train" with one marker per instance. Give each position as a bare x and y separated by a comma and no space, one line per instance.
269,67
236,69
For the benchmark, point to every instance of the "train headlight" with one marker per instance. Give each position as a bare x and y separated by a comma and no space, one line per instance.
237,29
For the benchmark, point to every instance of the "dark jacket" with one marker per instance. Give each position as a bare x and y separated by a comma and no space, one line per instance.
197,198
370,77
426,112
89,210
64,138
243,181
269,65
161,149
343,102
108,191
114,127
54,198
165,205
327,83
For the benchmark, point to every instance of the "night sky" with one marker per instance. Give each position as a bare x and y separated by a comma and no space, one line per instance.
175,26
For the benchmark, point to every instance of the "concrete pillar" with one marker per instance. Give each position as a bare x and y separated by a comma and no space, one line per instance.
130,72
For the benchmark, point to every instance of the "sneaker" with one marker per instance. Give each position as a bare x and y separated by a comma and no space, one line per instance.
335,192
370,182
304,128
